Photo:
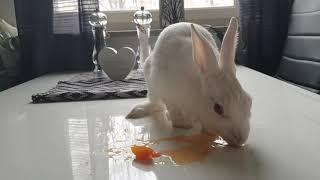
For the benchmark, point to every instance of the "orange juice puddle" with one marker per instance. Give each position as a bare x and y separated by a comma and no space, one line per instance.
188,149
193,148
176,150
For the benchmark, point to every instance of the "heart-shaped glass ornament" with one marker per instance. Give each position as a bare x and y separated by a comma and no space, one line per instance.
117,64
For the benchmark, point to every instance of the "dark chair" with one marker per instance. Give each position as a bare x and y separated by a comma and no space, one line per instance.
300,63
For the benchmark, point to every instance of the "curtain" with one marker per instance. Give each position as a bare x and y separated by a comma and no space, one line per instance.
263,31
55,35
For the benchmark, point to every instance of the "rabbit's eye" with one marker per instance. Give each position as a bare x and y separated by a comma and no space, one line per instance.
218,109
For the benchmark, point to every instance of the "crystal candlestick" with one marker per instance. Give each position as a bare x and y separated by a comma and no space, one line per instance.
98,22
143,19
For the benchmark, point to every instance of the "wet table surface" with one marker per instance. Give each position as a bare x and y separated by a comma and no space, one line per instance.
88,140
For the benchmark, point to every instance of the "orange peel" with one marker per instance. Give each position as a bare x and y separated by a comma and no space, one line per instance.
144,153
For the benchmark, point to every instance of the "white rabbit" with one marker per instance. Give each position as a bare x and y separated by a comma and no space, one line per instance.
188,77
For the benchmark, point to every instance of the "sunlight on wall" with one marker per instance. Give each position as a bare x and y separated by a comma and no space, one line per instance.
77,134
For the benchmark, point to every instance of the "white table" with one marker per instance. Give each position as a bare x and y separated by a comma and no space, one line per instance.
64,141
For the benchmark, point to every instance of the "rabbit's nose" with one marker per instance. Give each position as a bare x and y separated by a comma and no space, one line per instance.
238,139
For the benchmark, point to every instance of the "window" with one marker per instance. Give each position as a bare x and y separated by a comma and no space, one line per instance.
124,5
215,12
120,12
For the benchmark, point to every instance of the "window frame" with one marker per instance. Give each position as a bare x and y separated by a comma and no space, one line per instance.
217,16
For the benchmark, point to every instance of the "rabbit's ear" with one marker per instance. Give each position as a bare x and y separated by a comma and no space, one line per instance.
203,53
228,47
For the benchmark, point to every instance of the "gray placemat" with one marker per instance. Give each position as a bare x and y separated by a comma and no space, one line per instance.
92,86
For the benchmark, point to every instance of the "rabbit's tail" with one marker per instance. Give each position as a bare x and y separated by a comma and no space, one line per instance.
144,109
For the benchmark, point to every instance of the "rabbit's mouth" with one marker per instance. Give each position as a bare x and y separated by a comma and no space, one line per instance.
233,138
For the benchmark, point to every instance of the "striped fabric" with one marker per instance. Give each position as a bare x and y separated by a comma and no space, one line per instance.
90,86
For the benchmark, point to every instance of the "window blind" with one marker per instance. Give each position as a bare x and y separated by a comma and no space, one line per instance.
66,17
72,16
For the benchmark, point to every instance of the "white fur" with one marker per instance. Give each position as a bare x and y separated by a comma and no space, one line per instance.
186,75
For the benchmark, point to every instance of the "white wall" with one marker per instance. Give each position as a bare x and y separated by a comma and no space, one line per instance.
7,11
